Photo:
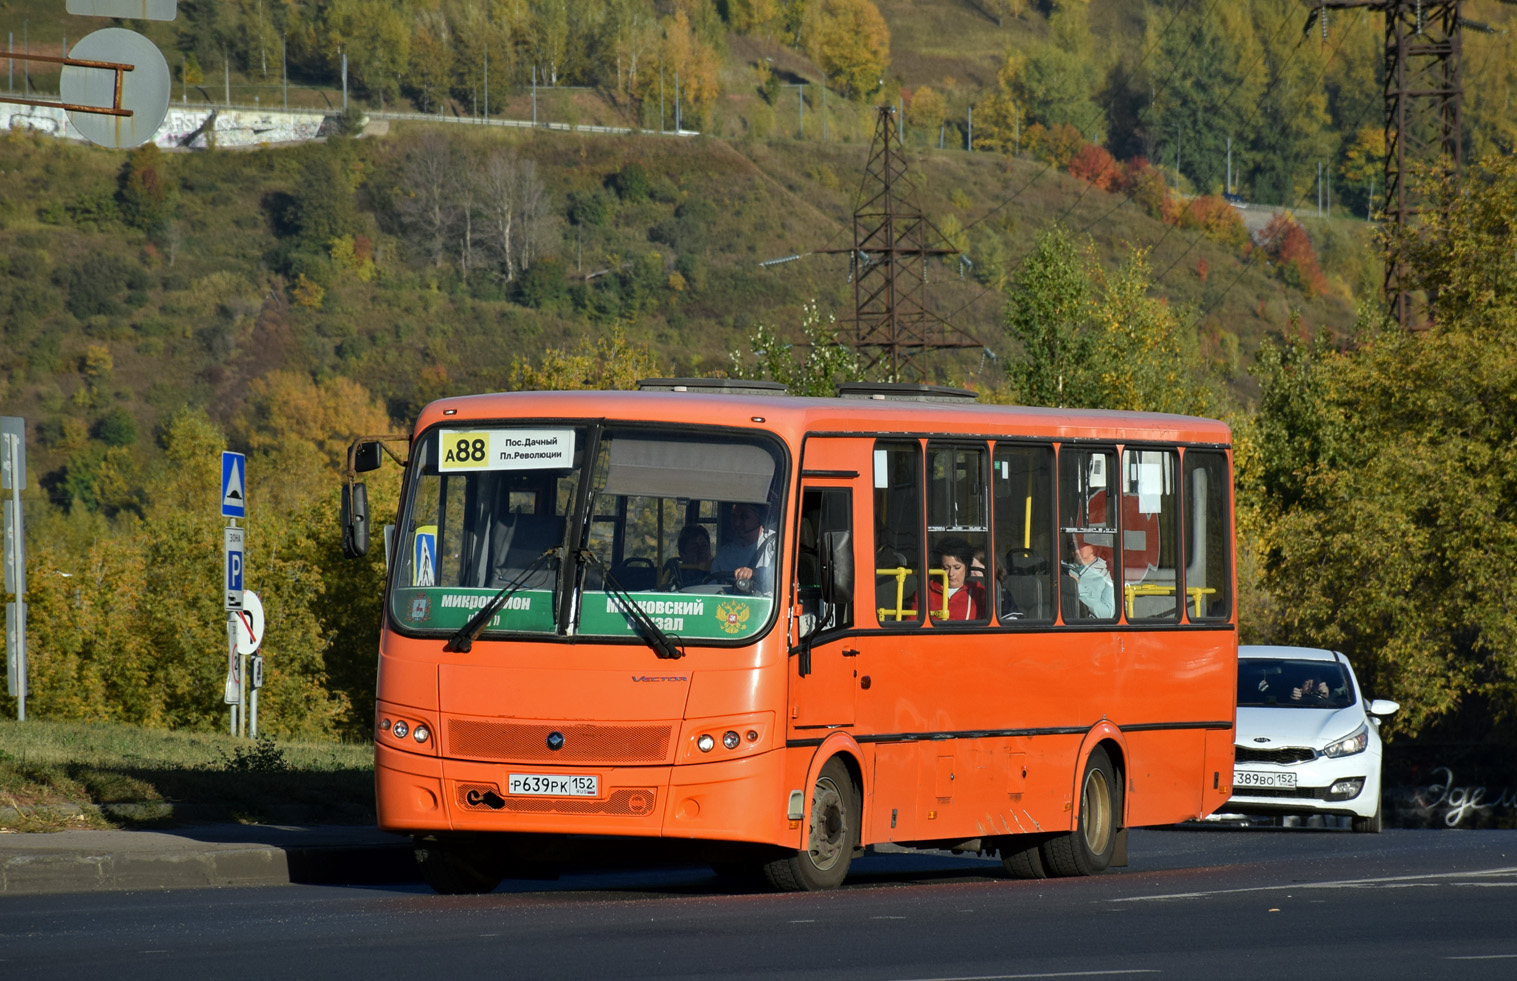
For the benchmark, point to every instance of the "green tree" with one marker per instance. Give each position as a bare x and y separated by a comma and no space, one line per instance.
827,360
1213,79
145,194
1384,475
1290,134
1048,308
852,44
607,363
1094,338
375,36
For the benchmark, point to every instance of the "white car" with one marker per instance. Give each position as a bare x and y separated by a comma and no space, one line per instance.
1307,742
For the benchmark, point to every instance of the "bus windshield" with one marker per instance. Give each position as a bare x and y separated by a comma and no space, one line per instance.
683,523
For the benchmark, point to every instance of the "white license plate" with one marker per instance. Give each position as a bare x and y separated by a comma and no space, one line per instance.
1253,778
544,785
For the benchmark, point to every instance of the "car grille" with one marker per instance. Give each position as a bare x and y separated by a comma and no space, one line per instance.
1287,793
1290,754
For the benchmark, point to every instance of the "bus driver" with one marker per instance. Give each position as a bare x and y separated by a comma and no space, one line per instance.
748,556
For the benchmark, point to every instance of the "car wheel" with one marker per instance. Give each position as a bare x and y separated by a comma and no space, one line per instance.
1088,848
1367,825
834,831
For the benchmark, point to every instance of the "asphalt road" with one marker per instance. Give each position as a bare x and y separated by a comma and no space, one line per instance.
1205,902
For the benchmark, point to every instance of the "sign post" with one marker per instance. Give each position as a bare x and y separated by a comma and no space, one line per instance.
13,478
249,625
234,561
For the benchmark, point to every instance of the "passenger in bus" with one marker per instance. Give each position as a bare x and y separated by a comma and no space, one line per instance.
1007,608
966,597
694,563
1093,581
749,556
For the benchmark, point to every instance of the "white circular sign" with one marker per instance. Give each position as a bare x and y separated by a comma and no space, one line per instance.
249,623
144,89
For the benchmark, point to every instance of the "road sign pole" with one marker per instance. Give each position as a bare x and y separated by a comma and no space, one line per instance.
13,477
230,695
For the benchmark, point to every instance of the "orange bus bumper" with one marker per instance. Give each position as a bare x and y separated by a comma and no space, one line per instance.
742,799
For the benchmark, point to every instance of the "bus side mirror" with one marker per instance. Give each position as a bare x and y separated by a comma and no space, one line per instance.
366,457
355,517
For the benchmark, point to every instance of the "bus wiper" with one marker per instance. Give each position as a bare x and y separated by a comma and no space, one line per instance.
463,641
666,647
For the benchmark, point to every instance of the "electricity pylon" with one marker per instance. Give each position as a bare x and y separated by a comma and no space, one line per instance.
892,242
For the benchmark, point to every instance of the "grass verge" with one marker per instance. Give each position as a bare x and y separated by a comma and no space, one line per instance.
60,775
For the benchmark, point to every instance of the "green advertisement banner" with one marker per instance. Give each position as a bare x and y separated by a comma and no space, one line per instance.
702,616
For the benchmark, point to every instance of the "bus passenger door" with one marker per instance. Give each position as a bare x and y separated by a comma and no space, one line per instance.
823,658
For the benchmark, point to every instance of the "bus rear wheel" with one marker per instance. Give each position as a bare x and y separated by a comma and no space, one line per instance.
833,835
455,868
1022,857
1088,848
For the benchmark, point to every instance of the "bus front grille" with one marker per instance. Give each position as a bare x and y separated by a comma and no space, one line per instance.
580,744
625,802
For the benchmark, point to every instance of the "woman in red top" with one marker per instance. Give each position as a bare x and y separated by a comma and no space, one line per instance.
966,597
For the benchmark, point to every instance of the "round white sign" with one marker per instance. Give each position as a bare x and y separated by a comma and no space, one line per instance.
249,622
144,90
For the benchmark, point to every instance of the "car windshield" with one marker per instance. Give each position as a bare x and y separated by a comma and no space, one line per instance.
671,519
1281,683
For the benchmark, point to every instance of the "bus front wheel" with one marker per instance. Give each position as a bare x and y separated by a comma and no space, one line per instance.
833,834
1088,848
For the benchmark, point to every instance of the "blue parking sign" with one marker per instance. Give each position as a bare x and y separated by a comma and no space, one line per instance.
234,565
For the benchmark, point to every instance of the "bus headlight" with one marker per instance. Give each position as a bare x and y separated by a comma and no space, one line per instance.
420,733
731,739
400,729
705,744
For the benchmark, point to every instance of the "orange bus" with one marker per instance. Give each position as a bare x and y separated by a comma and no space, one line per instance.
781,630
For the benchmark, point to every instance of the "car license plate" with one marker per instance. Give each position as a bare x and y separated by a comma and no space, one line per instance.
1253,778
543,785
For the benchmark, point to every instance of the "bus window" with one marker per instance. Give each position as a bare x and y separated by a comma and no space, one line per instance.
1207,545
898,552
825,532
1149,553
1022,483
650,489
958,525
1088,533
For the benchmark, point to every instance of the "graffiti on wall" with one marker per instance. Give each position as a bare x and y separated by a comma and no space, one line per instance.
196,128
1446,802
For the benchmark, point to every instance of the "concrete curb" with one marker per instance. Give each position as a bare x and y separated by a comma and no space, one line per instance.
202,856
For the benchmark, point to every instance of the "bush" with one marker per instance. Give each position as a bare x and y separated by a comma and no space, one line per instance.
631,183
95,285
589,208
116,428
542,286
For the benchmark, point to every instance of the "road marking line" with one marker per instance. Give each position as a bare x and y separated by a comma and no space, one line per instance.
1332,884
1055,974
1480,957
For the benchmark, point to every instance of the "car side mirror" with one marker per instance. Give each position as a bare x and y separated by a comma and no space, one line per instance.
355,519
1383,706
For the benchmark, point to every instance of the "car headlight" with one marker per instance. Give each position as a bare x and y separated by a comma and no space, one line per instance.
1349,745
